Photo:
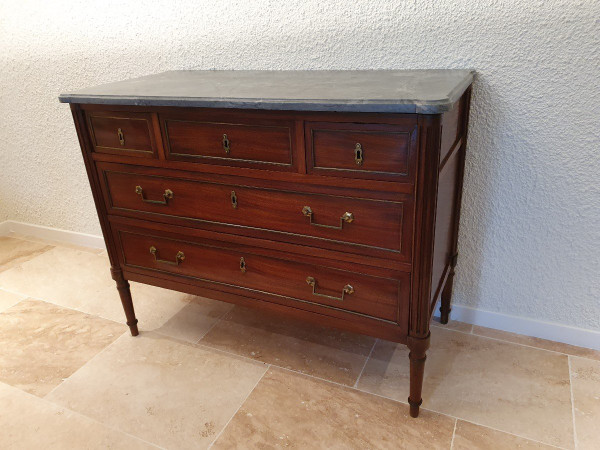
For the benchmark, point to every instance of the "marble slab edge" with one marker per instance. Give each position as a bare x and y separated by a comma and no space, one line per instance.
409,106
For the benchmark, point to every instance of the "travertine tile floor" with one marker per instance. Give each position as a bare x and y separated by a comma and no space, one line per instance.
204,374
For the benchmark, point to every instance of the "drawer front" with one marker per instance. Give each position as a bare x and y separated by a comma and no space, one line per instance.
349,291
122,133
362,223
260,143
371,151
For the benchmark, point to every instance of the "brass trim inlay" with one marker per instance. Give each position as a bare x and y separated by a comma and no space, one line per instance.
347,217
179,257
167,196
348,289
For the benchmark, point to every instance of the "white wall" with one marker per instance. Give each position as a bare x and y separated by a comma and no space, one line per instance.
530,239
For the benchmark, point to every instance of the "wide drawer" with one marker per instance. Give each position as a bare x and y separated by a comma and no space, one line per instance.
256,143
122,133
357,225
353,150
219,265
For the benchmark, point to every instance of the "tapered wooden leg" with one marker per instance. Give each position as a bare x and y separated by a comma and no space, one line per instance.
447,298
125,294
418,347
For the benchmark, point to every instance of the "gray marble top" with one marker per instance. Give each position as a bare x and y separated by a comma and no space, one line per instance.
391,91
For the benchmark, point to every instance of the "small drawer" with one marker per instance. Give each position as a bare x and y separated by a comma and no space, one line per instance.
355,150
257,143
220,265
354,225
121,133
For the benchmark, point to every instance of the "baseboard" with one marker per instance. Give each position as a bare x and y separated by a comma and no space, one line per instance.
521,325
580,337
51,234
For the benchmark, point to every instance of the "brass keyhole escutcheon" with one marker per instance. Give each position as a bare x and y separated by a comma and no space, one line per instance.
226,144
358,154
242,265
234,201
121,137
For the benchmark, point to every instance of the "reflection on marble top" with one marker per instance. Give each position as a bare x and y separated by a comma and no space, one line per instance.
391,91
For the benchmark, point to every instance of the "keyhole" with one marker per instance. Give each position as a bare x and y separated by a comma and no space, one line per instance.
358,154
243,265
234,203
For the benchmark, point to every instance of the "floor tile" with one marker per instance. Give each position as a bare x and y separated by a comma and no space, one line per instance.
537,342
53,243
29,422
323,352
195,319
469,436
41,343
8,299
292,410
82,281
585,378
453,325
509,387
16,251
172,394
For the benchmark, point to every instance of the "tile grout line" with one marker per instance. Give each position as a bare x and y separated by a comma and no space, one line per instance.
240,407
522,345
572,404
82,366
77,413
376,394
365,364
453,434
213,325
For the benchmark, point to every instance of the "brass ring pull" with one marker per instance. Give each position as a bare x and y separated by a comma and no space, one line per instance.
179,257
358,154
167,196
226,144
347,217
120,136
348,289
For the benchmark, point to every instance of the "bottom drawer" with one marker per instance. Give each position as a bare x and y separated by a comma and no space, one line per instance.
349,291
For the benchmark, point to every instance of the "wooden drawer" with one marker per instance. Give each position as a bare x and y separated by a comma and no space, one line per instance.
225,266
343,223
354,150
121,133
257,142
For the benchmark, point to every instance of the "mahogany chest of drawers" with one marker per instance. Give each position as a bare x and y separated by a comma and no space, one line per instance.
330,196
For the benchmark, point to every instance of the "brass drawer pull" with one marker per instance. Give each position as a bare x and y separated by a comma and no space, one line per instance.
167,196
347,217
358,154
121,137
226,144
347,290
179,257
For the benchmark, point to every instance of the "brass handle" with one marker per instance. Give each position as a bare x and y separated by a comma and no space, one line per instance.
347,217
226,144
121,137
179,257
234,202
358,154
167,196
348,289
242,265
